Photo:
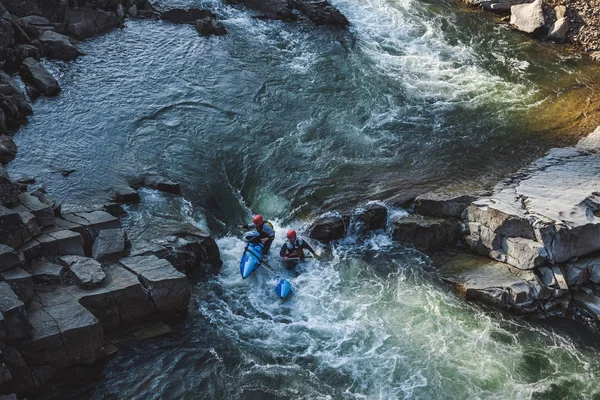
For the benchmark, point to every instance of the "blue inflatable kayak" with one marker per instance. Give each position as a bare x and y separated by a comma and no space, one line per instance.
251,259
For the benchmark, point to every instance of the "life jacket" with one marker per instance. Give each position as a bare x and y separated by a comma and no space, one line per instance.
262,233
294,249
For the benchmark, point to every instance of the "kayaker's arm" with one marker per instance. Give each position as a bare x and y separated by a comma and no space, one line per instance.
307,246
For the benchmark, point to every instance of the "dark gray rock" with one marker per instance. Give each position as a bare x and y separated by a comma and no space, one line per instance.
125,194
119,302
9,191
445,202
85,23
20,282
31,250
35,20
89,225
109,245
180,16
61,243
86,272
9,258
64,334
8,149
426,233
162,184
44,271
169,289
269,9
43,212
189,251
209,26
16,323
58,46
5,376
372,217
320,12
329,227
37,76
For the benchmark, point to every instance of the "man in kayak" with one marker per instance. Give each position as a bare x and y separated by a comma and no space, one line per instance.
292,251
264,229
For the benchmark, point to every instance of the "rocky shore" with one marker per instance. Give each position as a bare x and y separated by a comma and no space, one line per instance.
530,245
575,22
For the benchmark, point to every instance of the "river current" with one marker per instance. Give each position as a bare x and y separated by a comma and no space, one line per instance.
292,120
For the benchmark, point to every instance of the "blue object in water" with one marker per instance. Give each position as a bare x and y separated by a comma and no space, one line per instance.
253,254
283,288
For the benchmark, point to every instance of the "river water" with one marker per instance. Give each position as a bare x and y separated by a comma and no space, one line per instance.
292,120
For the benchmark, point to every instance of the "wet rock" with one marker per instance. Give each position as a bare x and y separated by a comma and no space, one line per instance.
493,283
37,76
269,9
16,323
320,12
8,149
169,289
86,272
372,217
209,26
445,202
527,18
558,30
44,271
42,196
329,227
61,243
426,233
64,334
180,16
109,245
85,23
89,225
58,46
576,274
188,251
120,12
125,195
589,302
162,184
9,258
20,282
119,302
133,11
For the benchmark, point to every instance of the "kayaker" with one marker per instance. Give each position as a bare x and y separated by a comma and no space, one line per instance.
294,249
265,230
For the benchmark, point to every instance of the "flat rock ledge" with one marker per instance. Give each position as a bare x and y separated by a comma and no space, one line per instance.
68,282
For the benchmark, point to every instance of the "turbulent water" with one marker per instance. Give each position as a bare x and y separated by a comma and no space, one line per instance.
291,120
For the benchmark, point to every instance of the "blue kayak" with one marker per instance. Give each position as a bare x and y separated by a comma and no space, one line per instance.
251,259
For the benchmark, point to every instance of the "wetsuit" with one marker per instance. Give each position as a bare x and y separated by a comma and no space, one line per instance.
265,231
294,249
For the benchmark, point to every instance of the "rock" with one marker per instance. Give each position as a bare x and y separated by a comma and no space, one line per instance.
329,227
209,26
590,302
85,23
35,20
20,282
119,302
558,30
9,258
125,194
16,323
86,272
58,46
320,12
189,251
372,217
8,149
133,11
64,334
19,370
162,184
445,202
426,233
594,270
61,243
42,211
9,192
493,283
31,250
561,12
5,376
527,18
269,9
44,271
168,288
120,12
109,245
577,274
523,253
37,76
89,225
180,16
42,196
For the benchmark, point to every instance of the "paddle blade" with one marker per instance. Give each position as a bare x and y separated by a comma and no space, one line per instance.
283,288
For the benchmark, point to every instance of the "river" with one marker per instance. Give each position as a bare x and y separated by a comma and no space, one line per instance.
292,120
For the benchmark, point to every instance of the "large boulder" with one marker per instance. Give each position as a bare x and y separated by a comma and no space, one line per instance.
84,23
189,16
86,272
109,245
89,225
20,282
191,251
269,9
45,271
168,288
60,243
320,12
37,76
426,233
43,212
445,202
371,217
528,17
328,227
58,46
9,258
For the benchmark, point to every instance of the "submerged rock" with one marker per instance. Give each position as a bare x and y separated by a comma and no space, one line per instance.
189,16
209,26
